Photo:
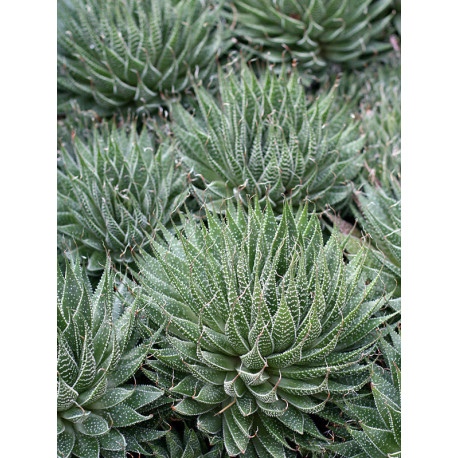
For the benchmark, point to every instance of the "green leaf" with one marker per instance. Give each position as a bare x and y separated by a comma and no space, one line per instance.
209,422
86,447
75,414
94,425
112,397
283,329
239,430
211,394
189,407
65,443
66,396
123,415
128,365
60,426
142,396
303,403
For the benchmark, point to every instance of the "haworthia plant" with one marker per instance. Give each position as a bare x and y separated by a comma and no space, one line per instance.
114,188
266,326
134,53
314,33
379,415
265,138
97,354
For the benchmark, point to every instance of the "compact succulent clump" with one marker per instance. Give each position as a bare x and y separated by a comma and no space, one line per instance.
314,33
134,53
266,326
379,415
98,352
265,138
113,190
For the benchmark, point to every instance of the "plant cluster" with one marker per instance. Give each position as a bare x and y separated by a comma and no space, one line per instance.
266,325
134,52
264,137
315,33
98,353
229,239
114,188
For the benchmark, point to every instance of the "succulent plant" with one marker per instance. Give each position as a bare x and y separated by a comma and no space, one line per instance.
379,415
314,33
98,352
134,53
266,326
266,138
113,190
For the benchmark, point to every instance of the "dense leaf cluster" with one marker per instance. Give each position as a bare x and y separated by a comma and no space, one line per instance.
264,137
113,190
229,242
266,324
134,52
314,33
98,353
